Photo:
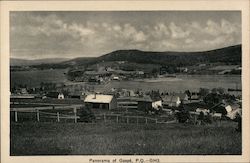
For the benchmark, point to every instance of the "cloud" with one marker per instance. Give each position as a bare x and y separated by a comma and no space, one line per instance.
177,32
224,27
52,34
222,40
77,31
189,41
160,30
212,28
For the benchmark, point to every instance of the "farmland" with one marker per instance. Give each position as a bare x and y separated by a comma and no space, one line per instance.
92,139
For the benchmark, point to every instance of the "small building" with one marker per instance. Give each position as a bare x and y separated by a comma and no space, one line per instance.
77,95
60,96
101,101
55,95
171,100
116,78
127,102
195,96
23,91
148,104
183,97
205,111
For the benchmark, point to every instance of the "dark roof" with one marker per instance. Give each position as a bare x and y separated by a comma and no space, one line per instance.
52,94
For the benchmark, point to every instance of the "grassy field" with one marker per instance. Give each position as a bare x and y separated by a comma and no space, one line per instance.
82,139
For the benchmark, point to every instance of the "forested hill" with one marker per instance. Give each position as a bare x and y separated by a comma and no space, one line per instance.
228,55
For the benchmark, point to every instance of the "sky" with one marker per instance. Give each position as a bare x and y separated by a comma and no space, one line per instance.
70,34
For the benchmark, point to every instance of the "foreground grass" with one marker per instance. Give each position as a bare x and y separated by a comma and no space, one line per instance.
69,138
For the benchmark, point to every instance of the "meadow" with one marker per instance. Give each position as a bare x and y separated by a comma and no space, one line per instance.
126,139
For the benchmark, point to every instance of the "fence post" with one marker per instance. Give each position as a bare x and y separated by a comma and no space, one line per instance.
58,118
37,115
195,119
156,120
104,117
117,120
15,116
137,120
75,118
146,121
127,120
75,114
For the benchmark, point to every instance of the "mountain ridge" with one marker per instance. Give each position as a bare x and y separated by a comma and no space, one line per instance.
227,55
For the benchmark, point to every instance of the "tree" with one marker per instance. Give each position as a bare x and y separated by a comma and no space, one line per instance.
182,116
221,90
203,92
86,114
188,93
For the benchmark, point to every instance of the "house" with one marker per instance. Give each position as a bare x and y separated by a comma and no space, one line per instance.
55,95
77,95
171,100
183,96
116,78
231,107
127,102
60,96
101,101
233,110
23,91
205,111
195,96
149,104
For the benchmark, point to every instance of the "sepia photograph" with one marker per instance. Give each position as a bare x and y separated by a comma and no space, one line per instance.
125,83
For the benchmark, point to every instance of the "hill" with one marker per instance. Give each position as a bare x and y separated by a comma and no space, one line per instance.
26,62
228,55
225,56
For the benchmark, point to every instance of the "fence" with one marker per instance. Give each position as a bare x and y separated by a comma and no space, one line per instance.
42,116
118,118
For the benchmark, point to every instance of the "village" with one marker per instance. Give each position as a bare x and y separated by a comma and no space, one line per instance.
184,107
125,81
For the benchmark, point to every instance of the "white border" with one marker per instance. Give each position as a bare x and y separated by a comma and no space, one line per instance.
6,6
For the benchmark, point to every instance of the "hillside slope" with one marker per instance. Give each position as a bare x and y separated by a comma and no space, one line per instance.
228,55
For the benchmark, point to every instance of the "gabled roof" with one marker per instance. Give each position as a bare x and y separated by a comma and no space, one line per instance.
98,98
181,95
170,98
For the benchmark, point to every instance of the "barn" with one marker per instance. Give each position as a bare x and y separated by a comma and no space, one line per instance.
101,101
148,104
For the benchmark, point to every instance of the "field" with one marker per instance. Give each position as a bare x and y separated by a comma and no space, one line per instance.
92,139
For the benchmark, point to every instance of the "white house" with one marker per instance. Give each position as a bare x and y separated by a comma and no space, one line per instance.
233,110
60,96
157,104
